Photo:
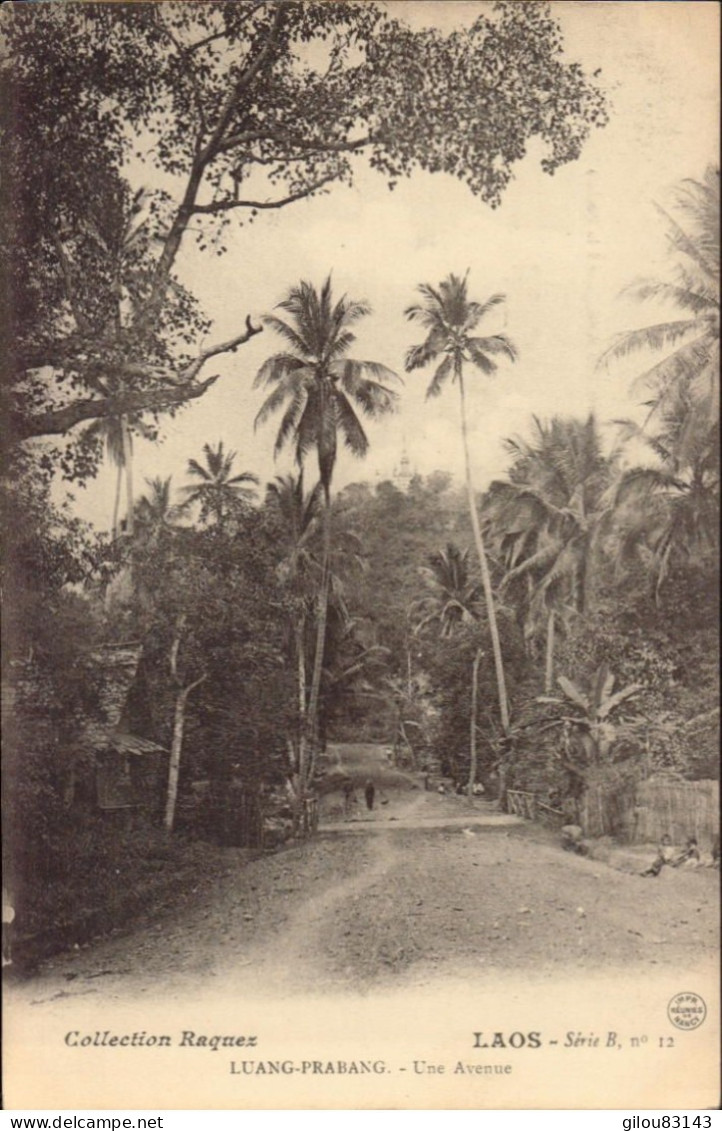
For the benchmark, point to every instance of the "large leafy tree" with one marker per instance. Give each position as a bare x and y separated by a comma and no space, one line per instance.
319,388
211,615
242,108
450,319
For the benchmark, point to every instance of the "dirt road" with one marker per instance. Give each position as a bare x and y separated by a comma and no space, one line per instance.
418,887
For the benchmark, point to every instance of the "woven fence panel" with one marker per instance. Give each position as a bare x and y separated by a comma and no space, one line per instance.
607,809
680,809
644,813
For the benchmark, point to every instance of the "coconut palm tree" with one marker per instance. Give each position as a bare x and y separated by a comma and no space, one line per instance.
116,434
217,490
299,514
453,599
319,388
668,513
450,319
547,518
526,548
155,511
690,344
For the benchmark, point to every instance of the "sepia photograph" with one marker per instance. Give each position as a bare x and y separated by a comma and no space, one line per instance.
360,554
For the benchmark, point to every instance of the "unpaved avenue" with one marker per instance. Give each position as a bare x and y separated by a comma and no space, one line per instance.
425,886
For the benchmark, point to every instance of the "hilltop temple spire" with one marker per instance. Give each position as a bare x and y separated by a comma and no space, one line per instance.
403,473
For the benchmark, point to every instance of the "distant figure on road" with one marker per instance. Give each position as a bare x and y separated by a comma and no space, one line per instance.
370,793
348,798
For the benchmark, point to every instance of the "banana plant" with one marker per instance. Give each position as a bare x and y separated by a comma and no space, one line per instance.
595,731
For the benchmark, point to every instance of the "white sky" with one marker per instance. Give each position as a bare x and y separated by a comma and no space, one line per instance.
560,247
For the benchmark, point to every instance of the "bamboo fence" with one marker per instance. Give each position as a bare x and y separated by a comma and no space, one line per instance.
644,813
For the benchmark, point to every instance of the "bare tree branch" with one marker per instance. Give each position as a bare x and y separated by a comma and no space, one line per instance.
176,391
191,371
56,422
308,145
228,205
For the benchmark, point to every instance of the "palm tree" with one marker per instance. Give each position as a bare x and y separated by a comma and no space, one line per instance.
547,517
453,597
669,513
218,491
299,513
115,432
154,511
690,344
453,600
450,318
319,388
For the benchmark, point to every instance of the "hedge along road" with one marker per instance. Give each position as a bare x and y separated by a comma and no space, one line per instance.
420,888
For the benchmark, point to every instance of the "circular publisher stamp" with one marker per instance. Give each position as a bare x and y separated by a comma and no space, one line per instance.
687,1010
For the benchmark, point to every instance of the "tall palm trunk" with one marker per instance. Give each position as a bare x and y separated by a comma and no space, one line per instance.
321,622
302,712
549,661
116,501
128,463
485,577
474,716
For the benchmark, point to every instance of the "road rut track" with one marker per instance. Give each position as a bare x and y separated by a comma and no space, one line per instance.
378,903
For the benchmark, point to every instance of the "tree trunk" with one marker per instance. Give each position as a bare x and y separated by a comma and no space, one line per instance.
128,463
178,724
175,752
485,577
302,723
116,502
549,665
474,714
503,773
323,596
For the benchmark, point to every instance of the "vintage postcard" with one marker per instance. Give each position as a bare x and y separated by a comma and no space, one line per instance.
360,495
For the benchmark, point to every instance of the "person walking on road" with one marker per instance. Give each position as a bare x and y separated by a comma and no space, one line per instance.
348,798
370,793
